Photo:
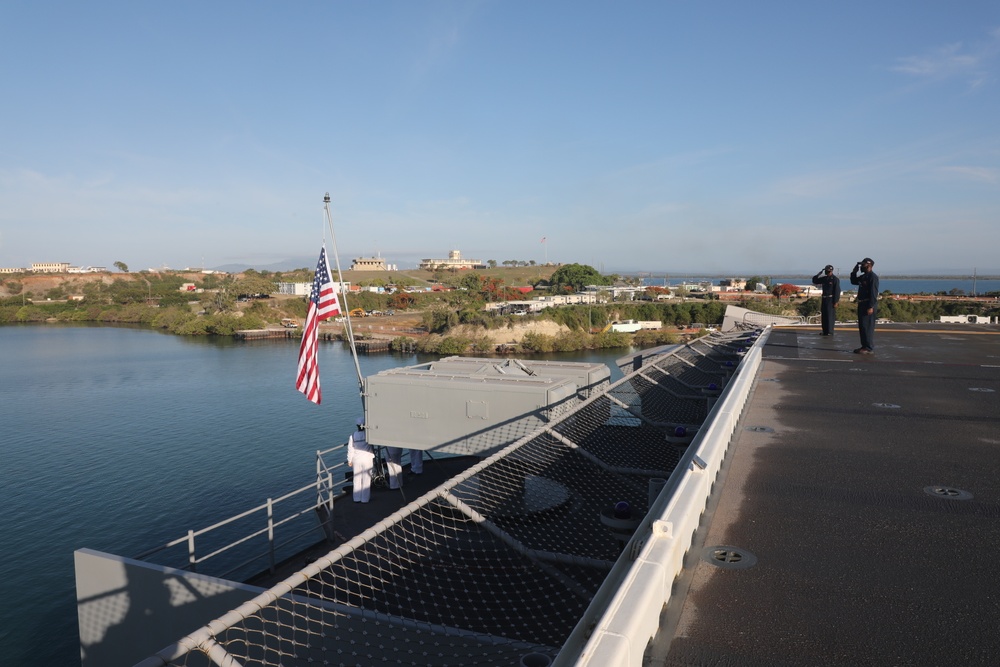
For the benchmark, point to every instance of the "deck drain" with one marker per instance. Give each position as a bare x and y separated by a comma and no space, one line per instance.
887,406
770,380
730,558
760,429
985,390
947,493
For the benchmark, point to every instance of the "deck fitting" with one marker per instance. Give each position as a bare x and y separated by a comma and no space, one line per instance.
729,558
760,429
948,493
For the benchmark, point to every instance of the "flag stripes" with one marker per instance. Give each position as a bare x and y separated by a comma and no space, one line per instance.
323,304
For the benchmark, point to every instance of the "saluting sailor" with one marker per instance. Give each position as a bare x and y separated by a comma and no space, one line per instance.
831,297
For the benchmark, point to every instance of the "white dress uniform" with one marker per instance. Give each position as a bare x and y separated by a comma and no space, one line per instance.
361,459
393,461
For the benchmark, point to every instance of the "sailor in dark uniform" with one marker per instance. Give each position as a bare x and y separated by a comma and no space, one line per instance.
831,297
867,284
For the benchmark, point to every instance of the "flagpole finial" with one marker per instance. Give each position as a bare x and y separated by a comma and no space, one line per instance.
326,198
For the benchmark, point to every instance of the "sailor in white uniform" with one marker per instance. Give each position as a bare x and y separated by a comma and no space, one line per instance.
393,461
416,461
361,458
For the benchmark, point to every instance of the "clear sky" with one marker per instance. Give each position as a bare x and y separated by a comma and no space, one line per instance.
712,137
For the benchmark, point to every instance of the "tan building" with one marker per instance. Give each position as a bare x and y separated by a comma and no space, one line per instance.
368,264
50,267
454,261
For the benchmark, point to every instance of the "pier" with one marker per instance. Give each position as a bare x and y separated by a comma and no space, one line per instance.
364,346
260,334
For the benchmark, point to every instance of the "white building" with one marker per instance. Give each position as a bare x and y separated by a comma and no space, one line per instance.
454,261
304,289
967,319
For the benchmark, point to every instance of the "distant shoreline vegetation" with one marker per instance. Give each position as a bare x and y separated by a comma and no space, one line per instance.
461,328
443,301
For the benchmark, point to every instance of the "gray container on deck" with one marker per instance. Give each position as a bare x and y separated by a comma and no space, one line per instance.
469,406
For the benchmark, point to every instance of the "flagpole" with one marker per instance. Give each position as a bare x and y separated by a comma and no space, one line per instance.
343,295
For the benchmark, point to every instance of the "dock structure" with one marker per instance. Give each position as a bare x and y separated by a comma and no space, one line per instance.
261,334
373,345
364,346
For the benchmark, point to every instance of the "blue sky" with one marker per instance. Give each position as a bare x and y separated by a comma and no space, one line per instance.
677,137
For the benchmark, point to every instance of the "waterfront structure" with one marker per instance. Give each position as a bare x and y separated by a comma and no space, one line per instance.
454,261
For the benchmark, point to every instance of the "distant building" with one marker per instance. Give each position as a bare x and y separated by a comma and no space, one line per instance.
454,261
50,267
967,319
12,270
370,264
303,289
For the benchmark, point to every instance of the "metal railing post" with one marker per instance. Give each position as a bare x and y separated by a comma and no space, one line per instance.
270,535
329,491
319,478
192,559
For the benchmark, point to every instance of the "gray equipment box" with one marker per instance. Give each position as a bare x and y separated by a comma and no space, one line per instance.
463,405
589,377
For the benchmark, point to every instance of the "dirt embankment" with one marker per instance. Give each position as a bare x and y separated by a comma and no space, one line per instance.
512,334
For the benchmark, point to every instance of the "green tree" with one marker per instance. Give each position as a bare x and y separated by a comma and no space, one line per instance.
575,277
251,283
121,266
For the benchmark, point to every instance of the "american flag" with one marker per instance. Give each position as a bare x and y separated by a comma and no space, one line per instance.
323,304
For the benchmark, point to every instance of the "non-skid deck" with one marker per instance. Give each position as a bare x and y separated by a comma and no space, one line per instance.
858,516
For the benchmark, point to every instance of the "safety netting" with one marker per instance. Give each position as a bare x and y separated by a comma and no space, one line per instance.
501,562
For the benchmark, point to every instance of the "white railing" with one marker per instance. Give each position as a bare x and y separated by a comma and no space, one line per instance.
264,522
624,614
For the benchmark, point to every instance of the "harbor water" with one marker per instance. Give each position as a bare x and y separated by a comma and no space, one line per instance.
120,439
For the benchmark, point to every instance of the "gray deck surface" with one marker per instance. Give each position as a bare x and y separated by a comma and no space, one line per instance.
857,562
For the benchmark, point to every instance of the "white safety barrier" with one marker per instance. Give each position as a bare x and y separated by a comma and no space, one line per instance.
635,599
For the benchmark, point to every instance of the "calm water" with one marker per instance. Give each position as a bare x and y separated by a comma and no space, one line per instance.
120,439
